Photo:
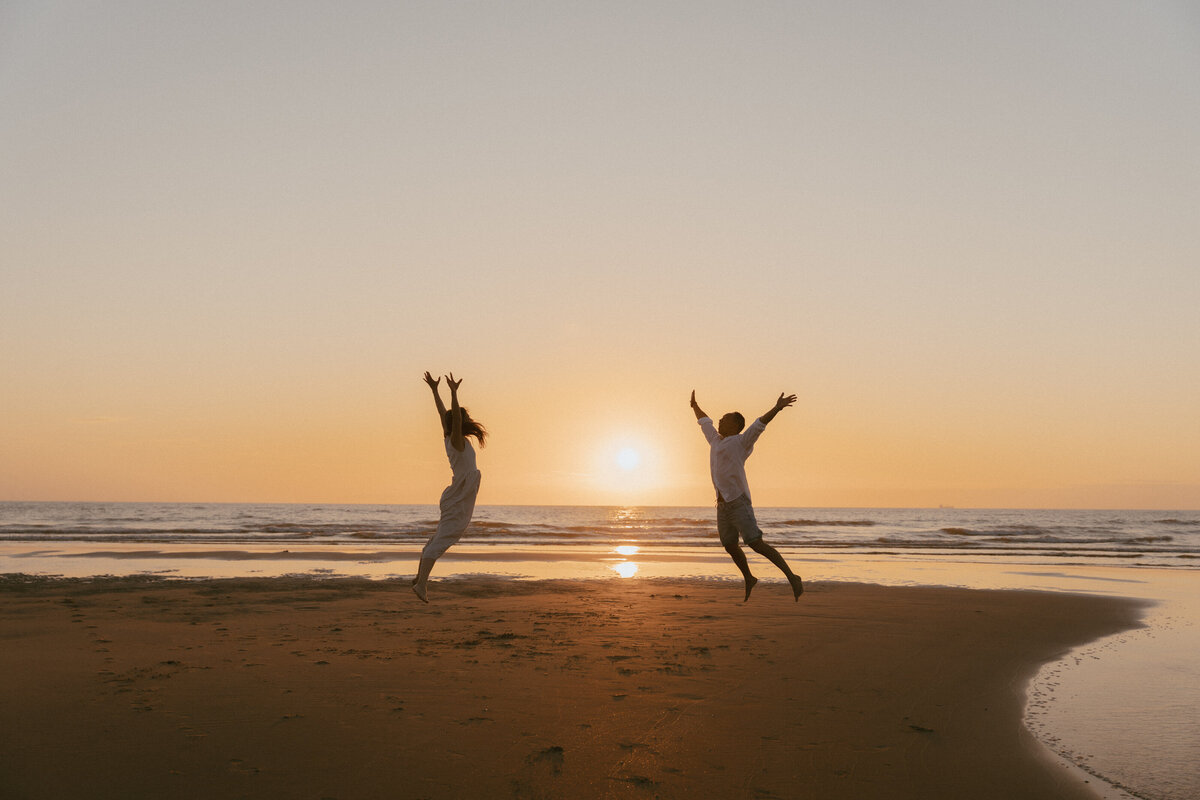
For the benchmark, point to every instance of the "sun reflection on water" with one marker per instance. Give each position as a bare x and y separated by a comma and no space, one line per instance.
626,569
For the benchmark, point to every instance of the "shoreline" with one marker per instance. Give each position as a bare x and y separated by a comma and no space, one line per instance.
569,687
210,560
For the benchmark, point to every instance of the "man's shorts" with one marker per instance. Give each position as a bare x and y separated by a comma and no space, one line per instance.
737,517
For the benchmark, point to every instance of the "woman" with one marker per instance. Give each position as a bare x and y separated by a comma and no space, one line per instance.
458,500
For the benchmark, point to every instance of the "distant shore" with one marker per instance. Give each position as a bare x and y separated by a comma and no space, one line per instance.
298,687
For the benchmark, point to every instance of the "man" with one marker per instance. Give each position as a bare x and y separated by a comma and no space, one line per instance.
729,449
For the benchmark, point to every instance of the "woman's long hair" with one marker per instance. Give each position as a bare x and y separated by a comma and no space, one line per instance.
469,426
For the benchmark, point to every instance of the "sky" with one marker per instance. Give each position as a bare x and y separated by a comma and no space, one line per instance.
234,236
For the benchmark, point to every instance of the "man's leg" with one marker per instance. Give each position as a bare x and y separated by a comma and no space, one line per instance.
763,549
742,517
729,540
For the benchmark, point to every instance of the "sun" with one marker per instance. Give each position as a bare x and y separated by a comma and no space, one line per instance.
626,468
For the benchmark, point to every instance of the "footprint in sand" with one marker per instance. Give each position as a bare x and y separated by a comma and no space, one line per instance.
238,765
552,756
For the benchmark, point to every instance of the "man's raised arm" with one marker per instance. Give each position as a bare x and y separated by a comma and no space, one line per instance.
696,407
780,405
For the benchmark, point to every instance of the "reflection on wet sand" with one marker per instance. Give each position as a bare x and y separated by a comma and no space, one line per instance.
626,569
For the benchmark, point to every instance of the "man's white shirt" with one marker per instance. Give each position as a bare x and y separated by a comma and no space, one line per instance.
727,457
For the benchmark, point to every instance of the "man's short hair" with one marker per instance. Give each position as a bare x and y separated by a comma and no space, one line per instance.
741,421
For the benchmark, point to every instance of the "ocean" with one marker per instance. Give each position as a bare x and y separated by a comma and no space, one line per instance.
1122,709
1163,539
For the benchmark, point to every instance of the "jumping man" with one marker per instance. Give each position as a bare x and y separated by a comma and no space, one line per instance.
729,447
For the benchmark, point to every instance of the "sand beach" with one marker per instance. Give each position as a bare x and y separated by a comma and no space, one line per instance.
350,688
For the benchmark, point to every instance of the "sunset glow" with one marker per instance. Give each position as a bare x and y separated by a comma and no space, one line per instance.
233,243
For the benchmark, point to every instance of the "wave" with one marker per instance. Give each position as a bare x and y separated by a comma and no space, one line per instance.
832,523
1007,531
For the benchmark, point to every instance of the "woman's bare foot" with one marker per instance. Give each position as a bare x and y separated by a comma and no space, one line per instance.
419,591
750,583
797,586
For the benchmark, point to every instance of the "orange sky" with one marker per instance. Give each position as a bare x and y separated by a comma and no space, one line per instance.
966,238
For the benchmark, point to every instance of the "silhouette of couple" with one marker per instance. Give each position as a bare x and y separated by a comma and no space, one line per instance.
730,444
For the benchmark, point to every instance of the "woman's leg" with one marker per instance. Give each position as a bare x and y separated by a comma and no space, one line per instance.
419,583
457,507
438,544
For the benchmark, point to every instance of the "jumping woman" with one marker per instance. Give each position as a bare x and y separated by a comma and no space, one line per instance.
458,499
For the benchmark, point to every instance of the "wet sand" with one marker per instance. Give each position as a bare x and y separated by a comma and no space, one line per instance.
349,688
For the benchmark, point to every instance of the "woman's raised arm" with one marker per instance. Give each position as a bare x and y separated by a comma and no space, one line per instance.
457,440
437,398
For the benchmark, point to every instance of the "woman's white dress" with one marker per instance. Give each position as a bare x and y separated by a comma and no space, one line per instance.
458,500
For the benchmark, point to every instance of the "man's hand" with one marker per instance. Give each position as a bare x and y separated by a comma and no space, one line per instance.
696,407
780,404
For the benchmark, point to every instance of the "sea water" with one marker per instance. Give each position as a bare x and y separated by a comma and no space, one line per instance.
1169,539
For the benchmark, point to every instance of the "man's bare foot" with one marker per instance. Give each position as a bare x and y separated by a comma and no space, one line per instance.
797,586
419,591
750,582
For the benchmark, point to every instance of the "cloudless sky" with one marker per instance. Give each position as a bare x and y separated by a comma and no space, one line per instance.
234,236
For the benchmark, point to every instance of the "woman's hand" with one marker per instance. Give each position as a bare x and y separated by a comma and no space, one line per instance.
453,384
432,381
